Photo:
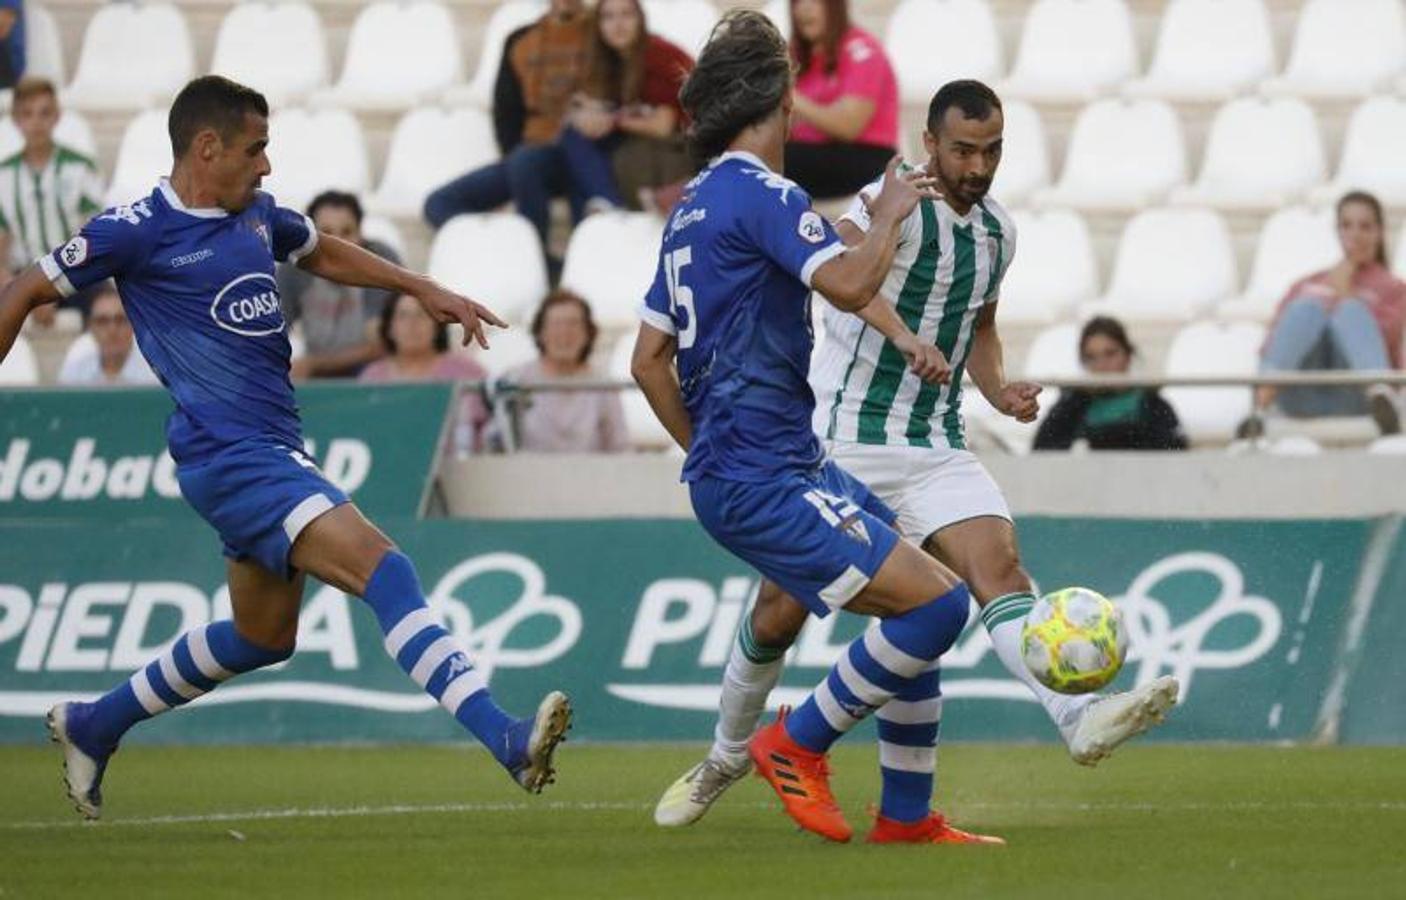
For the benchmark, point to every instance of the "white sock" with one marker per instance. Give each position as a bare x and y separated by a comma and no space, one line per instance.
752,671
1004,617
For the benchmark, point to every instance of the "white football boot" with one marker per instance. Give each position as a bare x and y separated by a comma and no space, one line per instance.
1109,721
534,769
690,797
82,771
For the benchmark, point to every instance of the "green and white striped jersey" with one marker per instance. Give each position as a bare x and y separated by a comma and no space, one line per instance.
947,268
42,209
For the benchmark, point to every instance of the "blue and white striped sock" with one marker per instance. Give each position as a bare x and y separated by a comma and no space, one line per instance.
196,664
908,732
876,667
422,647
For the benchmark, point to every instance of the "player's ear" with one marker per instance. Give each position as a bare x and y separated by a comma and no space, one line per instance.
207,144
929,142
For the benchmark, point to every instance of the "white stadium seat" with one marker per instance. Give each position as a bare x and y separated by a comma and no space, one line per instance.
276,48
1344,48
507,18
779,11
1073,50
1025,160
1261,155
686,23
611,261
1123,155
1213,348
43,44
1054,353
429,147
72,130
640,421
909,43
315,151
398,56
1389,445
379,228
1293,243
133,57
143,158
19,368
1373,153
495,258
1172,265
506,349
1054,269
1208,50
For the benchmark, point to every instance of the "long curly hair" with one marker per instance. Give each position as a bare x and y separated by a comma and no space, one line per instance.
741,77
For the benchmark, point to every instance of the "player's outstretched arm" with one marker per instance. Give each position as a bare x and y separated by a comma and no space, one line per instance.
1018,399
25,292
346,263
652,366
850,280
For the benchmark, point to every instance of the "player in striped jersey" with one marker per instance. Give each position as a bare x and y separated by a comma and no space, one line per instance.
903,437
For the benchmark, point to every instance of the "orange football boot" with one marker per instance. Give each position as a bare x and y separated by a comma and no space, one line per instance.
801,778
932,830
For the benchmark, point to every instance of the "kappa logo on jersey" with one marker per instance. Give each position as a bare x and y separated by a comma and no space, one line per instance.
262,231
75,252
810,227
249,305
773,181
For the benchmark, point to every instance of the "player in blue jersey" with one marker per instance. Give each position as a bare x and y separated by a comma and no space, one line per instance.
723,353
194,264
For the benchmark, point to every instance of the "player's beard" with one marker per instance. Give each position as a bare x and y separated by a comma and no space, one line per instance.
963,190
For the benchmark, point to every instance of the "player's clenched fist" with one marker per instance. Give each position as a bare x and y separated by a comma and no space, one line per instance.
925,360
1020,400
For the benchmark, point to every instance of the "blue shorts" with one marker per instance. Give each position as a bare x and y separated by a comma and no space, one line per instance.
259,497
820,535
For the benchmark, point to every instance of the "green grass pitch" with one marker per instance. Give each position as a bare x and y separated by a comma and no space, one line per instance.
431,821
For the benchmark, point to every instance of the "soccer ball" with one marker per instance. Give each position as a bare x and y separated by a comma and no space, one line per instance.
1074,640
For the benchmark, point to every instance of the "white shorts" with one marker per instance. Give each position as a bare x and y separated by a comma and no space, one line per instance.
928,487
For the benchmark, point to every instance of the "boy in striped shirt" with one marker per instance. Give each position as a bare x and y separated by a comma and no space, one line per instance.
903,437
47,190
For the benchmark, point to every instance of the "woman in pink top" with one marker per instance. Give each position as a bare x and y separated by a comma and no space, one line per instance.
579,421
845,125
418,350
1346,317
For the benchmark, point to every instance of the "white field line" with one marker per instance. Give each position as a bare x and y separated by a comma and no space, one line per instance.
264,815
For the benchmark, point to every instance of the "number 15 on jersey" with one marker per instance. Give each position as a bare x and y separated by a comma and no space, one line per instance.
681,295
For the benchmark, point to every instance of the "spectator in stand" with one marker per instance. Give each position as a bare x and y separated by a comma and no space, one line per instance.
579,421
845,124
1135,419
543,64
339,322
628,118
1346,317
111,357
47,190
12,46
418,350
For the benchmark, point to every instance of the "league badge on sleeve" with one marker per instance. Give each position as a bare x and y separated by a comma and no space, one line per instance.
811,227
75,252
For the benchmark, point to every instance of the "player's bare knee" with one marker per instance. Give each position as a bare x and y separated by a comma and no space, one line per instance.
776,619
999,574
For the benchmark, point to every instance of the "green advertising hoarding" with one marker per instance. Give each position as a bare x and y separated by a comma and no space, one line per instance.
102,454
635,619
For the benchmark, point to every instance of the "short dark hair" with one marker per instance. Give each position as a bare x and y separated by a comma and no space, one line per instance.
741,77
441,330
338,200
211,101
560,297
973,98
1108,327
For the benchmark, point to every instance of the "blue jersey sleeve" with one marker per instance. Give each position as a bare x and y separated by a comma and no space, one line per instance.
112,244
657,312
293,234
787,230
